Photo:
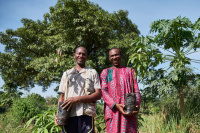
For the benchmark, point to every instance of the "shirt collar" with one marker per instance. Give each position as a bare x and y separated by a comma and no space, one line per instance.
83,70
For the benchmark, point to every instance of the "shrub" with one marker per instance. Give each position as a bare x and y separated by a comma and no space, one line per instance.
44,122
25,108
51,100
99,118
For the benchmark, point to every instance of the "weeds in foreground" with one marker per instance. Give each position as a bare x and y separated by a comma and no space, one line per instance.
8,124
156,123
43,123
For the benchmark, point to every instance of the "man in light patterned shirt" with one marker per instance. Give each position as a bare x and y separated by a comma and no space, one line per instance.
81,80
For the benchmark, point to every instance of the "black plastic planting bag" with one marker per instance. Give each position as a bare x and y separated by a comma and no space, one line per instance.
130,103
63,115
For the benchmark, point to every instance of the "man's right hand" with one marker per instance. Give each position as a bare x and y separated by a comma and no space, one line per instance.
120,107
56,120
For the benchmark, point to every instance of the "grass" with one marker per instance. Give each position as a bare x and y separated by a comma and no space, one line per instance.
10,125
156,123
152,123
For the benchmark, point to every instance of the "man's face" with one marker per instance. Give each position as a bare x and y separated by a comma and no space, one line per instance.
80,56
115,57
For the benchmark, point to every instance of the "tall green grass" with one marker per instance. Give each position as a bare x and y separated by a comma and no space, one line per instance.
155,124
43,123
163,117
8,124
169,120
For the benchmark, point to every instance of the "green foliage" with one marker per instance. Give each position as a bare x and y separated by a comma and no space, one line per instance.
154,124
175,34
8,124
170,108
144,56
180,38
171,118
30,51
192,106
7,98
100,126
25,108
51,100
168,119
43,123
164,113
99,106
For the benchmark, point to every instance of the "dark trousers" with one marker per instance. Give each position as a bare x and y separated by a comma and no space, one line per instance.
79,124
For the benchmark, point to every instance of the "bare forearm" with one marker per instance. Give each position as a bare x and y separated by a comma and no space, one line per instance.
61,98
90,98
82,99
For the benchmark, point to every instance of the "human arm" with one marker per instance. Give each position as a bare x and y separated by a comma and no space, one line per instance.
108,99
83,99
61,91
61,99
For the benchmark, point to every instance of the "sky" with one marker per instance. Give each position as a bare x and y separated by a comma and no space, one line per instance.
141,12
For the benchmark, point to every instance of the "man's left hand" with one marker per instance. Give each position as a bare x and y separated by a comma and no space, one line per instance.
135,112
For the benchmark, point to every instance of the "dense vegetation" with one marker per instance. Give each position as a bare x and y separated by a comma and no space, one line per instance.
170,99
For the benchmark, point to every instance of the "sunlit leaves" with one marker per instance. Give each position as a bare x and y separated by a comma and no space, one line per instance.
179,61
30,51
43,123
144,56
180,38
175,34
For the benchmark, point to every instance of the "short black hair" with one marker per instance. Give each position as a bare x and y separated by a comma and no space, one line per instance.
81,47
116,48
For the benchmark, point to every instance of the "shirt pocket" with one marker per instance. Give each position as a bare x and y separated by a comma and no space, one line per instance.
90,109
89,86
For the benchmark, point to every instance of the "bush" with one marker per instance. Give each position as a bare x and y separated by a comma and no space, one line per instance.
43,122
51,100
169,119
99,118
25,108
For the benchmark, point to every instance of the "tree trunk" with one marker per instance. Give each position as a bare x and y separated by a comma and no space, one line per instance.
181,96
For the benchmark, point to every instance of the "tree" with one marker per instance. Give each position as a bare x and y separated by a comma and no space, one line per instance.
180,37
30,51
7,98
51,100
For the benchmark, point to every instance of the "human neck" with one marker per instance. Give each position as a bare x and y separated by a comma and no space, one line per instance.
119,66
79,67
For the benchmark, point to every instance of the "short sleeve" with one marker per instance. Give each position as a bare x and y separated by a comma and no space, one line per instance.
96,79
63,83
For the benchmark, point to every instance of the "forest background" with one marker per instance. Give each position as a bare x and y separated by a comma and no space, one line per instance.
165,97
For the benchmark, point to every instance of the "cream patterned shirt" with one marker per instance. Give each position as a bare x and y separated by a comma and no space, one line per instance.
76,86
